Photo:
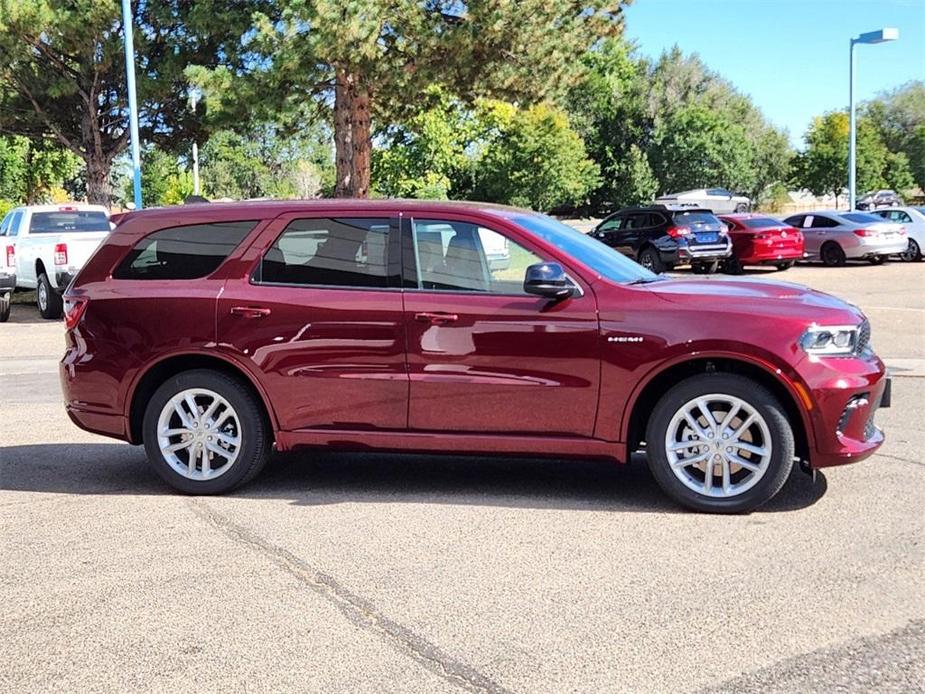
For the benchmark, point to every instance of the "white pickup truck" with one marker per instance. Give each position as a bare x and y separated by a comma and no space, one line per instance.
44,247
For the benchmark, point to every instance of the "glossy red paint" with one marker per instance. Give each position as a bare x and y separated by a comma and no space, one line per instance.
423,370
765,245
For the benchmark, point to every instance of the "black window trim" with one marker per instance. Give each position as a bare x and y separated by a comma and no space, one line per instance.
393,256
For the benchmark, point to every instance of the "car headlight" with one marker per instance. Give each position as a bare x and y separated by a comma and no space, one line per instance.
831,340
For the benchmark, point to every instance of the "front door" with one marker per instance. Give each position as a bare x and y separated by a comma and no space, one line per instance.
484,356
320,318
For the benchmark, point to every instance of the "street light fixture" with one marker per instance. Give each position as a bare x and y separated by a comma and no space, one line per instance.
132,101
879,36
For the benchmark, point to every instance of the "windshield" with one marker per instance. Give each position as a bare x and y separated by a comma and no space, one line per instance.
68,221
601,258
760,223
860,218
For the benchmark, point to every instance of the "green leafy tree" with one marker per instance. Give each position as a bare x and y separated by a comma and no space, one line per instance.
823,167
373,60
31,171
899,117
696,147
531,158
63,73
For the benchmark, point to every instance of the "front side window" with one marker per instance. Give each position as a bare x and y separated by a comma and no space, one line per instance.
68,221
182,253
461,256
331,252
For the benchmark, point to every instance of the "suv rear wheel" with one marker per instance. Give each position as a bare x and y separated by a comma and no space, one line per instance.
205,433
650,259
719,443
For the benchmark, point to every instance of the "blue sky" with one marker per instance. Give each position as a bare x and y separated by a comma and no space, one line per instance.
790,56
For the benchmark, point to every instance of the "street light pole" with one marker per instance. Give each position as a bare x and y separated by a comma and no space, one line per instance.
132,101
194,98
880,36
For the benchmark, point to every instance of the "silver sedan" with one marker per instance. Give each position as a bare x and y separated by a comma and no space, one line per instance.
833,236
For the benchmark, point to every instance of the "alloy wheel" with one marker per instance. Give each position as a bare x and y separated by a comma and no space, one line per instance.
718,445
43,296
911,253
199,434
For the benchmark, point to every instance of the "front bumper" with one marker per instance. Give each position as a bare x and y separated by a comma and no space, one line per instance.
846,394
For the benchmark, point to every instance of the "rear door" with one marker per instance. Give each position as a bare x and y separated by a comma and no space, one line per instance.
318,315
484,356
817,229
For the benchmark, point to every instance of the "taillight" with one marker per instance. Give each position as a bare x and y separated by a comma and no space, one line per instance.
60,254
73,311
865,232
11,255
678,232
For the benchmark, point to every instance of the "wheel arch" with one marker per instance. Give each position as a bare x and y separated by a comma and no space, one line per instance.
790,394
151,378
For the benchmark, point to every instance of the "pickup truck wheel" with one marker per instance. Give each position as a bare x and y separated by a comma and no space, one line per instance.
719,443
49,301
205,433
6,303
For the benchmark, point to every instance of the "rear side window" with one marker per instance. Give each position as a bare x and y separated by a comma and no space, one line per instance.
67,221
182,253
332,252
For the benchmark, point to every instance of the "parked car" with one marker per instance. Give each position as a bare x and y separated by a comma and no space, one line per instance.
49,244
912,220
213,334
717,200
659,237
879,198
833,236
7,268
761,240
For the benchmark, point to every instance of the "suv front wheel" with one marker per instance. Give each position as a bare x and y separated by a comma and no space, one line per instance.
719,443
205,433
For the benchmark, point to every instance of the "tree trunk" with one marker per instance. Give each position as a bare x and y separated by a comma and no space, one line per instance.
362,141
343,137
99,188
352,136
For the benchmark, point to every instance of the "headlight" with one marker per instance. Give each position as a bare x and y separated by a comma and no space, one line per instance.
831,340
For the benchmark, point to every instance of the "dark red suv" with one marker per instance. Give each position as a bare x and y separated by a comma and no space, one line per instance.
215,333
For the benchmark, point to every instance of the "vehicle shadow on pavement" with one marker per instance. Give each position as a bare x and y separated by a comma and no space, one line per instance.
21,312
320,478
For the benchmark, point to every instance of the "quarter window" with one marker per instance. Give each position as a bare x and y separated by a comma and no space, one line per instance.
331,252
182,253
461,256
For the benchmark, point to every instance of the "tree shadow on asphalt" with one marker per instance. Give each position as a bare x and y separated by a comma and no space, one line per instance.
318,478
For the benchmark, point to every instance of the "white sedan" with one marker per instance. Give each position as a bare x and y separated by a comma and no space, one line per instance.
913,219
718,200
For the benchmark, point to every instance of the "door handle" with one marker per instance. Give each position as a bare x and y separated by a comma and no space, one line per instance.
436,318
250,311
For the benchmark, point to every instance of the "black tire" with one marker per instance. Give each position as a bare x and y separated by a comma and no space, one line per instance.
755,395
47,298
732,266
913,253
832,254
877,259
705,268
6,303
254,431
785,265
741,207
650,259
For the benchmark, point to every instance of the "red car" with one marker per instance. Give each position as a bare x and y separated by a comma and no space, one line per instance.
761,240
215,334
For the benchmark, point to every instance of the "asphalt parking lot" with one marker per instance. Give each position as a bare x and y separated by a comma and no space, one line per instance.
377,573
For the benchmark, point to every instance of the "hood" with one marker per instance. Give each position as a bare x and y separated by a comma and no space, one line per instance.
755,296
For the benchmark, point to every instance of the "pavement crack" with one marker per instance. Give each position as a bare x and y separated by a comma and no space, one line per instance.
901,459
356,609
